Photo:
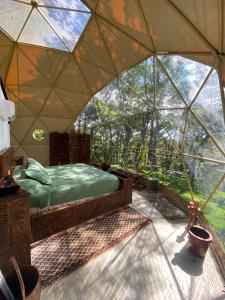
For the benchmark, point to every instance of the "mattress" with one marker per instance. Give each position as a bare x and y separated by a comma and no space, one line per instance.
69,182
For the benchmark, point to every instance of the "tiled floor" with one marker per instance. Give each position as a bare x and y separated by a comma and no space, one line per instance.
152,264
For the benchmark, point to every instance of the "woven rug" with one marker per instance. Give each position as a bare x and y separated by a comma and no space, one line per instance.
65,252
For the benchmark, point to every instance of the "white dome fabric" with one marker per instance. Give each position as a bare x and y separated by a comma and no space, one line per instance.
55,55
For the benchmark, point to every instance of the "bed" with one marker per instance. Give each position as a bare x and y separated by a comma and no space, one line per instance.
77,192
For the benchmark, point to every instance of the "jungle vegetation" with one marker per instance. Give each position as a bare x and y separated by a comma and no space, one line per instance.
164,117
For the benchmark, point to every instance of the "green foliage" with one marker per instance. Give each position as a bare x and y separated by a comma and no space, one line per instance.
140,124
39,134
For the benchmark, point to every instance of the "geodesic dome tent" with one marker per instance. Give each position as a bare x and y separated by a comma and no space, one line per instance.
56,55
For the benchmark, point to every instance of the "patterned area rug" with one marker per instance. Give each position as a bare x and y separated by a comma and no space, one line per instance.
65,252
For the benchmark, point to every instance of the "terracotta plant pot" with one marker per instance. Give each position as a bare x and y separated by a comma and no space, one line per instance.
199,240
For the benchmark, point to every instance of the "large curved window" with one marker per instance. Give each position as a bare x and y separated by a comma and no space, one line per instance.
164,117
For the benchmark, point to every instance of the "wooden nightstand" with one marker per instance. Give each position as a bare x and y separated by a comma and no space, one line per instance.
15,231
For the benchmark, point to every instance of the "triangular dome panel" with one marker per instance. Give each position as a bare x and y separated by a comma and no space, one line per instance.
5,56
197,11
208,108
95,52
12,74
33,97
72,26
74,101
33,31
71,78
174,122
54,107
127,15
164,21
95,77
119,43
21,126
167,95
187,75
197,141
13,15
55,124
28,74
204,175
22,110
50,62
140,80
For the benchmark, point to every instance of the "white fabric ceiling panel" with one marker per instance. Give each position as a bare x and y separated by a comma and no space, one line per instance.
71,78
6,51
21,127
55,124
74,101
34,97
11,77
169,30
95,52
118,43
48,62
54,107
128,16
205,17
95,77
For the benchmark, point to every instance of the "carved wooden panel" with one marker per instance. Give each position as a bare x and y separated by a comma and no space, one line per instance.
14,229
80,148
58,148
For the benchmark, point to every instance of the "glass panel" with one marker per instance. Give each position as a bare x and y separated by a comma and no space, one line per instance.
166,94
68,24
90,114
215,214
187,74
204,175
121,99
130,102
173,121
171,171
140,79
12,16
198,142
38,32
106,112
136,141
72,4
209,109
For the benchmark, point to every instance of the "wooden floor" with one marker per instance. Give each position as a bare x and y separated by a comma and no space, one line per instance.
152,264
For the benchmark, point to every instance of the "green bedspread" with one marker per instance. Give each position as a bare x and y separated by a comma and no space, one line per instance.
69,182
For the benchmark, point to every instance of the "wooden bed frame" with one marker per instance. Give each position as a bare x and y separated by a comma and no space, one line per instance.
47,223
62,217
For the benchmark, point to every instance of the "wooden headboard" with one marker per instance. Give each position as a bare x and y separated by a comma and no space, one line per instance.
7,162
